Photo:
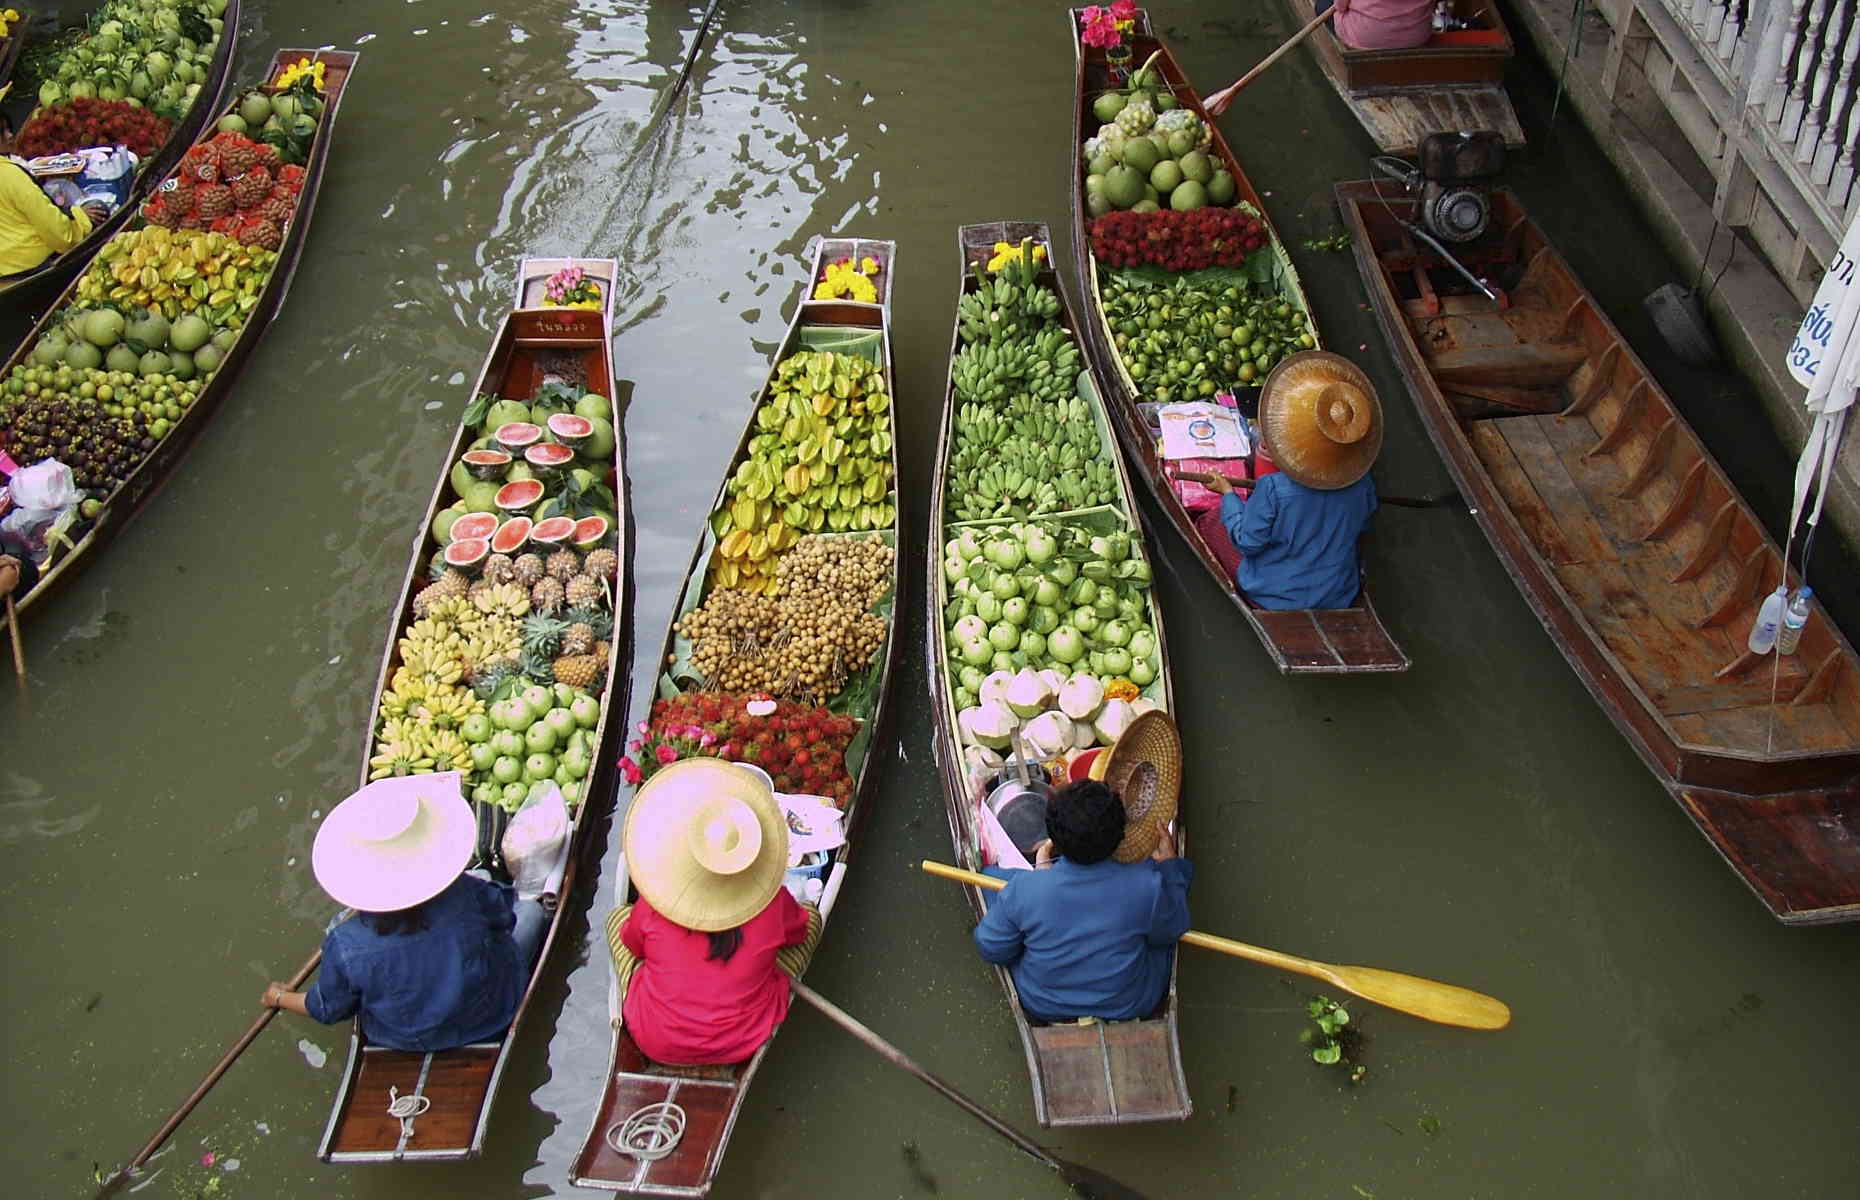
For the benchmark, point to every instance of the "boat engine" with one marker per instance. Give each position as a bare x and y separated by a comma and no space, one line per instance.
1454,180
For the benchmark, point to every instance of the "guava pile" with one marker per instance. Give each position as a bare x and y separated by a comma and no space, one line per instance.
146,52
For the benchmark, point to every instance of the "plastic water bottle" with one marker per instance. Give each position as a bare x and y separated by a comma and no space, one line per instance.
1769,622
1794,617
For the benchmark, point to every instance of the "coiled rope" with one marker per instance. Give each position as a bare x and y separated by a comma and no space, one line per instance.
650,1133
406,1108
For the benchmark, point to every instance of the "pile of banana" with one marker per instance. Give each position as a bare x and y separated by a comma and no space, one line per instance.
1000,310
1044,366
427,700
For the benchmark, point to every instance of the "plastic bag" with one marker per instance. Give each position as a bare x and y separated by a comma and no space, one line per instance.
108,175
41,494
536,844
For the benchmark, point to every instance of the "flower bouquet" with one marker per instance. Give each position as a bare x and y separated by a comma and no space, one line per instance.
571,288
850,279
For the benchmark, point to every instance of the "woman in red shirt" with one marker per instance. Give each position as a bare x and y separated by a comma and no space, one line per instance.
701,954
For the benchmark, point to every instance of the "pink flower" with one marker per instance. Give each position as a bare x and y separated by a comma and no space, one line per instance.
665,754
629,770
642,727
1101,31
707,740
1124,10
208,1159
634,746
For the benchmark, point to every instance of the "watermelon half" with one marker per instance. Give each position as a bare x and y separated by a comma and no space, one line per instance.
473,527
590,532
519,496
487,464
511,536
468,555
517,436
552,534
570,429
548,458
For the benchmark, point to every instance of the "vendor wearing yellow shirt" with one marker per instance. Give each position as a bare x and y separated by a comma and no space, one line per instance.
32,228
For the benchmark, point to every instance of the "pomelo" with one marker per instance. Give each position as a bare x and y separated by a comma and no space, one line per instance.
103,327
151,329
1101,163
1097,204
255,108
190,333
504,412
512,536
1123,186
121,358
1107,106
1180,143
468,554
1140,154
83,356
1196,166
600,445
443,521
472,526
1146,206
460,477
593,404
208,358
518,496
181,365
1165,177
1188,196
1221,188
479,495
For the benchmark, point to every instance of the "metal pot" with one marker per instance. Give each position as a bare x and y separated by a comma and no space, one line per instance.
1021,809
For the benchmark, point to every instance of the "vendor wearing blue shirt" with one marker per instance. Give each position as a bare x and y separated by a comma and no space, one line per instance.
434,958
1082,934
1297,535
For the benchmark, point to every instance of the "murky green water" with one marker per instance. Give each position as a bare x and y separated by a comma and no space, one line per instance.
200,700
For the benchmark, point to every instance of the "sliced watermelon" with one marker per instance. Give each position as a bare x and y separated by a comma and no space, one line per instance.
512,536
474,526
548,458
487,464
571,430
468,555
590,532
517,436
552,534
518,496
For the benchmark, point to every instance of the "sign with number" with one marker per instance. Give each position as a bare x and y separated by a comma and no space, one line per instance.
1815,347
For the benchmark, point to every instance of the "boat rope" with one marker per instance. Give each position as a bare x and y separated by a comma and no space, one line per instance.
406,1108
650,1133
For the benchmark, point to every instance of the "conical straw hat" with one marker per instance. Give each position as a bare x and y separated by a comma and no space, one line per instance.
396,843
1321,420
1144,768
706,844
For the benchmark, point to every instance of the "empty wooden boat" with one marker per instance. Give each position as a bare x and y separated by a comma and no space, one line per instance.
535,348
145,479
712,1096
1306,641
1103,1073
209,106
1632,545
1454,82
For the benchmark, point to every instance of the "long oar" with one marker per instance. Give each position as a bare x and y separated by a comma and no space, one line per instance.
1218,102
1241,483
9,570
194,1097
1424,998
1082,1180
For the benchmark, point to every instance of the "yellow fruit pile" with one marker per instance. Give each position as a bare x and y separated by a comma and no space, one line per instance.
178,271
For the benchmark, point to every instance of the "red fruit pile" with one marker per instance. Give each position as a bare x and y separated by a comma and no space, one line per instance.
83,122
1178,241
231,185
802,748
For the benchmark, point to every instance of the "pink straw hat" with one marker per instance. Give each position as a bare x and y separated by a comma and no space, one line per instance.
395,843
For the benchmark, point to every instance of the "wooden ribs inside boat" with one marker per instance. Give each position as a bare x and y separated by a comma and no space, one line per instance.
1632,544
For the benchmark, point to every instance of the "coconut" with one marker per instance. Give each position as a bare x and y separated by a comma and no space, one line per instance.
1112,720
1081,697
1084,737
981,760
1143,704
991,725
1054,679
994,688
1027,694
1047,736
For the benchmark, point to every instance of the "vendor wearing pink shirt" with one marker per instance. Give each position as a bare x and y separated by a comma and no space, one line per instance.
1384,24
705,954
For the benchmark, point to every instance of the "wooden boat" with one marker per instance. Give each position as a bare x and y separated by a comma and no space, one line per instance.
209,106
533,280
148,476
1454,82
533,346
1108,1073
13,43
1307,641
712,1097
1636,551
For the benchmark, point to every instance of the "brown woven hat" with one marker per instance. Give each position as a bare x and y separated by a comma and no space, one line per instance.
1144,767
1321,420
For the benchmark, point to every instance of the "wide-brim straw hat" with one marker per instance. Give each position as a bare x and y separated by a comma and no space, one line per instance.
1320,419
396,843
706,844
1144,767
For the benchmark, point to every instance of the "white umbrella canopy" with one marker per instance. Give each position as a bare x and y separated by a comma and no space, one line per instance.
1825,359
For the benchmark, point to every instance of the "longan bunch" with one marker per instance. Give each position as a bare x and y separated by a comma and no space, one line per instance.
849,570
795,646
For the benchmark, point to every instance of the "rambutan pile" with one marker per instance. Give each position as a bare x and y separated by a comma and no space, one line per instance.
83,122
1177,241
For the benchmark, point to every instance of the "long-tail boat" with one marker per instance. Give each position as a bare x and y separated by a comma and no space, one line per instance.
208,107
711,1097
601,273
157,464
1106,1073
1642,560
535,350
1455,81
1302,641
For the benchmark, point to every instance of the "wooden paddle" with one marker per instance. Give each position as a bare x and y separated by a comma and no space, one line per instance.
1218,102
1424,998
1082,1180
122,1175
9,580
1207,478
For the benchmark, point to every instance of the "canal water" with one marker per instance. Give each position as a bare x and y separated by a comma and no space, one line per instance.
200,701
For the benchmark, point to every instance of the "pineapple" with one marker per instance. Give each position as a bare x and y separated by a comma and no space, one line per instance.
488,677
577,640
543,636
449,584
563,566
602,564
499,568
547,596
530,570
582,592
539,669
599,621
582,671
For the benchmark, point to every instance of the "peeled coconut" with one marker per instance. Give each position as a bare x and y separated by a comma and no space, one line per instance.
1084,737
1047,736
1054,679
1143,704
1113,719
994,688
1027,694
981,760
990,724
1081,697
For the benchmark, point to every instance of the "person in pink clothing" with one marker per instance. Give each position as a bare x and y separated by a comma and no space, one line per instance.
704,955
1383,24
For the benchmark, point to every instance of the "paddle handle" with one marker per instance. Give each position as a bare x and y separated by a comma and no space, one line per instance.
898,1058
206,1085
19,649
1218,102
1208,477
